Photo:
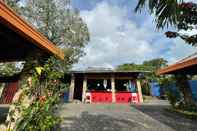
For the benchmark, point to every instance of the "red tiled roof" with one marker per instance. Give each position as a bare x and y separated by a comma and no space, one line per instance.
188,63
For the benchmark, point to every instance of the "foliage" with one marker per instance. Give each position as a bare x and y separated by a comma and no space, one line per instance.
172,94
13,4
165,11
145,87
182,15
177,94
38,116
151,65
134,67
8,69
187,20
172,98
156,63
45,88
166,81
184,87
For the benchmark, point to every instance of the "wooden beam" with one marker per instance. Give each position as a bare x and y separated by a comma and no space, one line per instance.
178,66
9,18
109,77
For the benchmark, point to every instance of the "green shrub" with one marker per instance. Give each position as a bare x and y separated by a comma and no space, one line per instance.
172,98
45,89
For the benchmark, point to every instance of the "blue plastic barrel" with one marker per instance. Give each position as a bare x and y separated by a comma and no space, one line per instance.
66,96
155,89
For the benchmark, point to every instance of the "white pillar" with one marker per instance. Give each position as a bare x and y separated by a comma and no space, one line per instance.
139,91
84,88
113,89
72,87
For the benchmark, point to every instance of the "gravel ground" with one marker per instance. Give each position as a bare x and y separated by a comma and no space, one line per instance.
123,117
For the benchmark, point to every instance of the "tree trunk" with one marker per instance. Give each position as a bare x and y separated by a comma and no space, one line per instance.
184,87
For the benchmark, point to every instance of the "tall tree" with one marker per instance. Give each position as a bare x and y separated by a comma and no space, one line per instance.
60,23
177,13
13,4
156,63
149,65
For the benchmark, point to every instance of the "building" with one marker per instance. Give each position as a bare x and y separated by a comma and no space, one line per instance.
187,66
19,39
105,86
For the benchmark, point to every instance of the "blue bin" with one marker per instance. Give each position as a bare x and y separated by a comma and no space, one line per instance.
155,89
66,96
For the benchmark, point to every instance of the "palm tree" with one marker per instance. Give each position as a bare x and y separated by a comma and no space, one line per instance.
177,13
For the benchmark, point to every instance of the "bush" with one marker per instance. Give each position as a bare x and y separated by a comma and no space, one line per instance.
172,98
45,88
38,116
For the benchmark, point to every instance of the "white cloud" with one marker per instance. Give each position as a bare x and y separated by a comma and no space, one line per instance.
179,50
190,1
116,39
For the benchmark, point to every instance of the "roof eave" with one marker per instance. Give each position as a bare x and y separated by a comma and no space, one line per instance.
19,25
177,66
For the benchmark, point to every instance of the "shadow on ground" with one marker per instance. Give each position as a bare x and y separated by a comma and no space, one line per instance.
3,114
98,122
173,120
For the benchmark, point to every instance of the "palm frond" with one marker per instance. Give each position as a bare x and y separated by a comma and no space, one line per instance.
140,5
165,11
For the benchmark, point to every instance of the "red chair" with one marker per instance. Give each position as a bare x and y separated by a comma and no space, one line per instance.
88,98
134,98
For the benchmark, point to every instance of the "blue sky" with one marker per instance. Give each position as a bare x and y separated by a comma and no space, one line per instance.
118,35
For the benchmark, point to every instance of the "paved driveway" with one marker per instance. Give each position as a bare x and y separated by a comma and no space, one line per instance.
122,117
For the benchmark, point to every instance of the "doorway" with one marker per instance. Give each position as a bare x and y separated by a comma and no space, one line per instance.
78,89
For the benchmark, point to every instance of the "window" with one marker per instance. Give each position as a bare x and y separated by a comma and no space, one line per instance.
125,85
99,84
